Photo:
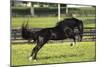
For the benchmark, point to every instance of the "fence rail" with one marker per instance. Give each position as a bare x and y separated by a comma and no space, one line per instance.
89,35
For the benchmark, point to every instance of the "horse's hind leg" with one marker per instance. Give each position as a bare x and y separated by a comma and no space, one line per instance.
35,50
38,48
40,44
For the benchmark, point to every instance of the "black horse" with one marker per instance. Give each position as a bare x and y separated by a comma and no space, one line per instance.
43,36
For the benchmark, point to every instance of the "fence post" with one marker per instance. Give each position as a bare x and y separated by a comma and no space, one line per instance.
31,8
58,11
15,34
66,9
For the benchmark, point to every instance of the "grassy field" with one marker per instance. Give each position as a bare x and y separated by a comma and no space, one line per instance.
41,22
53,53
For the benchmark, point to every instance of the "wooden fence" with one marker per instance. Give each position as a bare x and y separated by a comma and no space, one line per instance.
89,35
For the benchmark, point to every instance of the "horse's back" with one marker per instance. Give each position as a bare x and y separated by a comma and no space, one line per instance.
72,21
69,22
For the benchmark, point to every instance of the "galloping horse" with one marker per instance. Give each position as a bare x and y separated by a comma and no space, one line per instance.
54,33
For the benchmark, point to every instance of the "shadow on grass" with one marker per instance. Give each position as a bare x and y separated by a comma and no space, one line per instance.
61,56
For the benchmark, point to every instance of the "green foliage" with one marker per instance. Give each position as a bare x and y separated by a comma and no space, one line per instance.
20,11
52,11
54,53
34,21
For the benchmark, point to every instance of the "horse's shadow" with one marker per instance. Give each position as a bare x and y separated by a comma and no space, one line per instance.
61,56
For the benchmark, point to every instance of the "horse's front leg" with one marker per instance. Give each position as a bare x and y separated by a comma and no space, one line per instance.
74,42
73,37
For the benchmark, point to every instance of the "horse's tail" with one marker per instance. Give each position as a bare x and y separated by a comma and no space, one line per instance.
81,30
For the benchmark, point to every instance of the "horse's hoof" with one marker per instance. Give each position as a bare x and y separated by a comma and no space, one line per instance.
35,60
71,44
30,58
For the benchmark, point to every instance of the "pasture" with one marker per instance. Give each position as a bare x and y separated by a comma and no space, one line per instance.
42,22
53,53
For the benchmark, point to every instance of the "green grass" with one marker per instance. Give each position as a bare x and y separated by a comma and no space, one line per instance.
35,21
41,22
53,53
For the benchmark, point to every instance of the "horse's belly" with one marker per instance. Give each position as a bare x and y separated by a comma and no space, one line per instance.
58,37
